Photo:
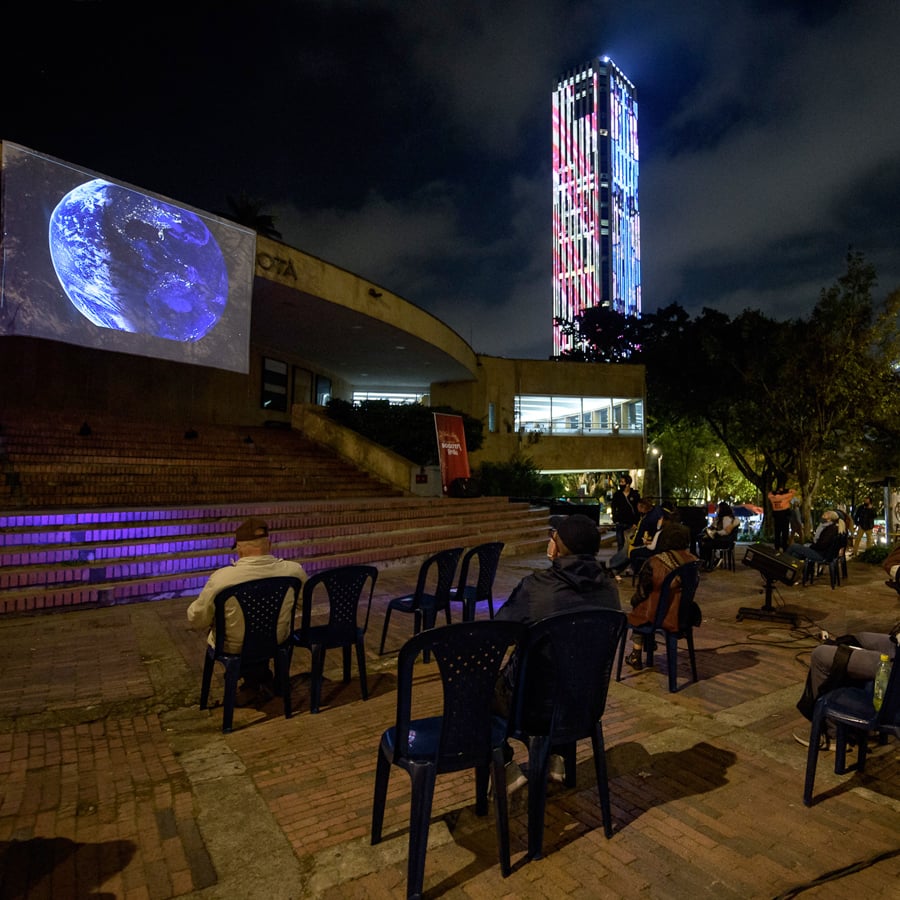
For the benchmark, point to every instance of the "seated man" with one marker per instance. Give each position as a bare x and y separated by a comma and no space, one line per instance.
574,581
254,561
831,667
823,541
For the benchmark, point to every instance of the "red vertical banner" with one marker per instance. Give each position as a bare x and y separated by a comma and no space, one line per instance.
451,439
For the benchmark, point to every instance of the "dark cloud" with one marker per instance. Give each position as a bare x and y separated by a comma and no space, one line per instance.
410,142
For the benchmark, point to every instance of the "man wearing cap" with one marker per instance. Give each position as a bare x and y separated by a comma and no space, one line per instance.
251,540
574,581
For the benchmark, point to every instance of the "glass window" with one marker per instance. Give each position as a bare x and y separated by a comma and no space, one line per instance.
578,415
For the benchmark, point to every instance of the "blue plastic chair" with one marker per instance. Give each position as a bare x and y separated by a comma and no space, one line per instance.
261,601
465,735
851,711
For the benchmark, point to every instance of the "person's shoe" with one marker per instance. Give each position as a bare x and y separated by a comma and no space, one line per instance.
634,660
515,777
824,743
556,771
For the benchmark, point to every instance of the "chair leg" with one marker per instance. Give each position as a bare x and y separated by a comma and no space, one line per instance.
672,661
692,658
622,642
317,675
232,674
490,607
208,666
568,751
602,778
283,677
387,618
382,776
501,809
482,779
538,761
347,650
361,665
812,756
423,778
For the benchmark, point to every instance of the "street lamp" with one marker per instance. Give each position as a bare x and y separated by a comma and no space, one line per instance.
657,453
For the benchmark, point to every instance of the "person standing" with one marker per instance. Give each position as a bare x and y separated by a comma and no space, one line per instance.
864,519
780,500
624,509
255,560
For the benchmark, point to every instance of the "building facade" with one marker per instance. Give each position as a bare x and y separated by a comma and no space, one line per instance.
596,215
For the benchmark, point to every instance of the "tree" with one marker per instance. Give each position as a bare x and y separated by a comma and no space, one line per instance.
798,397
248,212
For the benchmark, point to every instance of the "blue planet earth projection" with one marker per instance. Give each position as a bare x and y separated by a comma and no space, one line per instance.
134,263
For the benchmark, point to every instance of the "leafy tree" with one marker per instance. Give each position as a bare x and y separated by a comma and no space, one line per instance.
799,398
247,211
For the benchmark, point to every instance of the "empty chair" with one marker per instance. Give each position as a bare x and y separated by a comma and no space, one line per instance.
465,735
563,685
345,587
436,572
851,711
487,558
260,601
688,577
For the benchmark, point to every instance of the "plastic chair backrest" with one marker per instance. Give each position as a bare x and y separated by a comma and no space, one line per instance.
488,560
445,563
469,656
688,577
568,660
260,601
344,587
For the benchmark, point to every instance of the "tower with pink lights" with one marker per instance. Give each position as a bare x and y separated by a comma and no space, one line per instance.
596,215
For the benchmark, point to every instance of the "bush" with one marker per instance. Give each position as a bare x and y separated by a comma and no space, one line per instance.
519,477
407,428
875,555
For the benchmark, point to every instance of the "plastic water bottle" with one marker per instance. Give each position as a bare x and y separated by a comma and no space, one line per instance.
882,673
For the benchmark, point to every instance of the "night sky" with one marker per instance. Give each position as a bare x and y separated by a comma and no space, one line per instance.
409,142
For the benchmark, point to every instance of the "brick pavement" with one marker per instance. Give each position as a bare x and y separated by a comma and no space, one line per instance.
115,784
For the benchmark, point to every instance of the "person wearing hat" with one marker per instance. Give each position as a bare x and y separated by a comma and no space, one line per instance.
575,580
254,560
823,542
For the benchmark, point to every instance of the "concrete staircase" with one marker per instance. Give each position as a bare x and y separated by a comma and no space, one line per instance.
133,512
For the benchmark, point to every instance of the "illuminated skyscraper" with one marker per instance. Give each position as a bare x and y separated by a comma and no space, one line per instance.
596,216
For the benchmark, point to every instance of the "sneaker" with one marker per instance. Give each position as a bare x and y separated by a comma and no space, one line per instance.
515,777
634,660
824,742
557,768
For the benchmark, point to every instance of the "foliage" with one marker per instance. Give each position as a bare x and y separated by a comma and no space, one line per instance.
875,555
247,211
800,399
407,428
519,477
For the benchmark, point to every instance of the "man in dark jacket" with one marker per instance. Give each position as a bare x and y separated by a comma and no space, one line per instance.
624,509
864,519
574,581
